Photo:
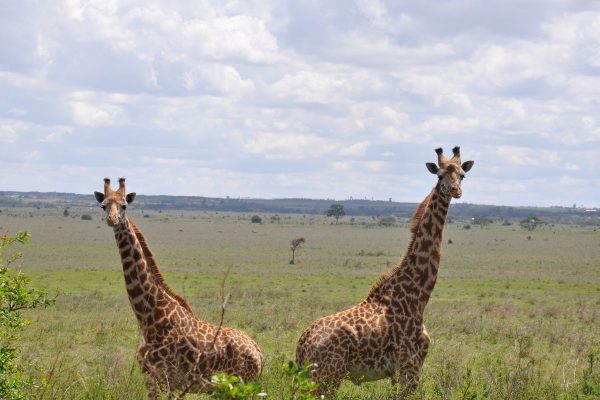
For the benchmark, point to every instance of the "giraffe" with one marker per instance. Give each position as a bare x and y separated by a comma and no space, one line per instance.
178,351
384,336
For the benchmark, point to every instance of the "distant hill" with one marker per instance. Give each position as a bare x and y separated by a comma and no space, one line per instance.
303,206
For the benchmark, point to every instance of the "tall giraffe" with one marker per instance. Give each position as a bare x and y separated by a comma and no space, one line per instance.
179,352
384,335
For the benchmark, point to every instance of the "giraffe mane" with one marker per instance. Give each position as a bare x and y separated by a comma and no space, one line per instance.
416,219
159,280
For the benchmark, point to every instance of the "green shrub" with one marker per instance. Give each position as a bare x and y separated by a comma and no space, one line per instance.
302,386
16,294
230,387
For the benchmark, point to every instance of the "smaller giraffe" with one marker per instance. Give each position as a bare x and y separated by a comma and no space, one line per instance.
384,336
179,352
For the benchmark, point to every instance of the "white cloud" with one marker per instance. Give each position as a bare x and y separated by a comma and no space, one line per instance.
528,157
288,146
356,149
32,156
375,165
164,162
223,79
90,114
307,86
58,134
357,89
9,130
340,166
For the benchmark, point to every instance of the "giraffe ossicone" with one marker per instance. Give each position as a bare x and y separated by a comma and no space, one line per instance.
179,352
384,335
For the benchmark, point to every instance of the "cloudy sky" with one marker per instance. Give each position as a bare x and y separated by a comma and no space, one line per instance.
318,99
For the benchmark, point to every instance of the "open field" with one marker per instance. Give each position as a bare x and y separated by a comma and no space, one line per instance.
515,314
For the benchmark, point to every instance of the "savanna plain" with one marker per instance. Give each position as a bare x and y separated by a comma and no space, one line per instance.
514,315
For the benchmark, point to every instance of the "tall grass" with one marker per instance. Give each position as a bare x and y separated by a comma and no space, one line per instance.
510,318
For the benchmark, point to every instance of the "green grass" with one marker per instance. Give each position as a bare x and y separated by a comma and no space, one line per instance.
510,317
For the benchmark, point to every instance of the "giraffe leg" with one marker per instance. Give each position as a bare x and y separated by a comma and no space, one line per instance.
152,387
328,387
408,381
408,378
329,374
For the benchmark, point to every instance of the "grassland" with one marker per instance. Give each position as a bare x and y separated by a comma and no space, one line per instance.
515,314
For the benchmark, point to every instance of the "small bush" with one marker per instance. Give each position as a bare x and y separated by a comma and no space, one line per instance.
16,295
230,387
301,385
256,219
86,217
387,221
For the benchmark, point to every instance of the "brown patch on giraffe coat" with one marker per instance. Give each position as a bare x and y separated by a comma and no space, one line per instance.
428,225
426,245
139,307
135,292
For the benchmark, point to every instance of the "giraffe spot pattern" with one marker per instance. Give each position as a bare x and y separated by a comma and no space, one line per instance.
384,335
178,350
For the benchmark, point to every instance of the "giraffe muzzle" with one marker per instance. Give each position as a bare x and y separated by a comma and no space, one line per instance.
455,190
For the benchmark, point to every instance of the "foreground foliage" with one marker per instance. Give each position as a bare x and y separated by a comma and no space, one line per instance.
16,294
230,387
298,381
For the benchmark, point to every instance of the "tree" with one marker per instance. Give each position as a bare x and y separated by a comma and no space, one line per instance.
531,223
481,221
296,245
256,219
337,211
16,294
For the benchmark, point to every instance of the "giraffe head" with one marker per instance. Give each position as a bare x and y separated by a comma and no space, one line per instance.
450,172
114,202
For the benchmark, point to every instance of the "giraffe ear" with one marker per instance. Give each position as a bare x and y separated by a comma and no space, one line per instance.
432,167
99,197
130,197
466,166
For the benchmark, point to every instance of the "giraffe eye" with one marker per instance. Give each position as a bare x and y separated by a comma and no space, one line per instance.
123,207
103,207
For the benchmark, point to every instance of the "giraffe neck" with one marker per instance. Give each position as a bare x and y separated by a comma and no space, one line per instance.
140,286
409,285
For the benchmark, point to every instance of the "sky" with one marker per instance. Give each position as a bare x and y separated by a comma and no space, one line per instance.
314,99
